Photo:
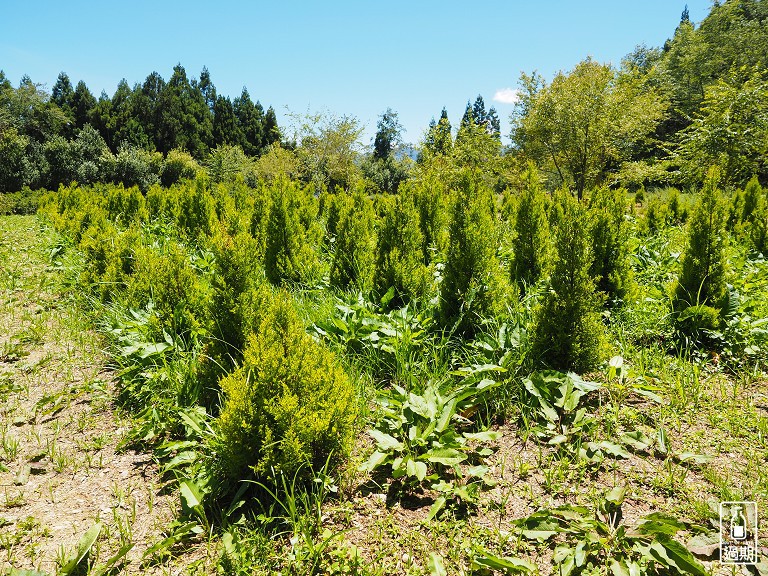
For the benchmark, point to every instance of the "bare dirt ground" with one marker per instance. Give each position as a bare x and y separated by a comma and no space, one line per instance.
61,469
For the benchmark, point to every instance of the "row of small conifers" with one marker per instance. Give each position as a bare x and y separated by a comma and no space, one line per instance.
216,270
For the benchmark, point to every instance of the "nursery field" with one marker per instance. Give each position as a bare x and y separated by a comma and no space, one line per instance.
222,379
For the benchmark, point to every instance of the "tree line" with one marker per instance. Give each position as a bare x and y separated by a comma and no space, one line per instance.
40,131
660,118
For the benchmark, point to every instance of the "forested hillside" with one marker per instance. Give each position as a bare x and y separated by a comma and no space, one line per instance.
540,355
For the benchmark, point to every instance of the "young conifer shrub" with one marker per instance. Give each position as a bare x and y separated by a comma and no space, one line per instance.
196,216
702,277
258,207
238,273
110,258
165,276
568,334
331,205
656,214
753,193
753,218
473,286
124,205
289,405
758,227
354,249
162,203
431,199
609,234
292,234
530,244
399,258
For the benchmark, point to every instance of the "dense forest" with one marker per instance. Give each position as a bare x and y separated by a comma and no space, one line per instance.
547,356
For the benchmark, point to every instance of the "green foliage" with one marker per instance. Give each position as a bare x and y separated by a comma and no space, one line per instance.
328,147
568,333
472,286
758,230
355,243
383,342
385,175
125,205
749,216
167,279
730,131
80,159
388,131
595,541
664,208
753,192
702,276
196,209
609,233
438,140
417,439
134,166
399,253
276,163
584,121
238,292
226,163
530,243
561,421
25,201
109,258
431,199
17,166
293,235
178,166
289,407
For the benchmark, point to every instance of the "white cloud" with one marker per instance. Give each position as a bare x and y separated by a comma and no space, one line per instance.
506,96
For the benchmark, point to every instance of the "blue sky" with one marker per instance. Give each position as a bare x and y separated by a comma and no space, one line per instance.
346,57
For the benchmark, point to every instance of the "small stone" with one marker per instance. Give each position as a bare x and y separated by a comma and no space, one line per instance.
23,476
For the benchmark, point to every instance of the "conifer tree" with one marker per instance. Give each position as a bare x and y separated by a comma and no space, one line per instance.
61,94
568,333
531,240
271,130
353,256
702,278
82,102
207,89
250,118
387,135
752,194
494,124
758,228
226,129
399,259
290,250
438,140
610,234
472,287
479,115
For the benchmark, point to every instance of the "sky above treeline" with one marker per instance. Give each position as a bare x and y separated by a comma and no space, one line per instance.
344,57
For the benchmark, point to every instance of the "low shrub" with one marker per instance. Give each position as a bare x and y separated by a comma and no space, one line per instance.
178,166
289,407
353,256
568,334
399,258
